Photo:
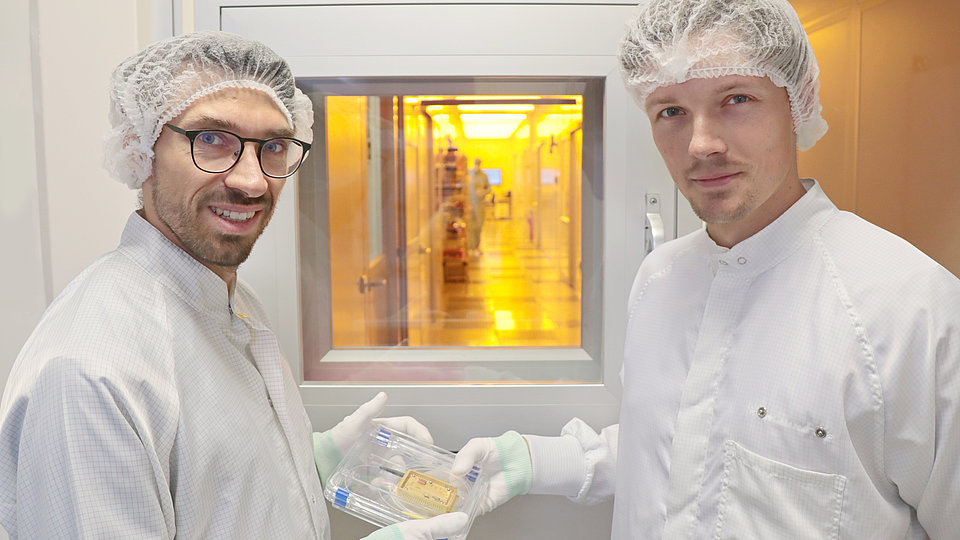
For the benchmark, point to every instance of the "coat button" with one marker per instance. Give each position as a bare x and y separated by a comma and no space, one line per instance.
821,432
761,412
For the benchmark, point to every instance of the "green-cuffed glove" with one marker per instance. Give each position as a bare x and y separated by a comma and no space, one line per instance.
436,528
330,446
505,461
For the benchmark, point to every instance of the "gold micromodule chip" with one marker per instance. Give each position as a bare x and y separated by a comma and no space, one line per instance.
427,491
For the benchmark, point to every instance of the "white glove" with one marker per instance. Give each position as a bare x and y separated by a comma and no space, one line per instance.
505,461
356,425
330,446
436,528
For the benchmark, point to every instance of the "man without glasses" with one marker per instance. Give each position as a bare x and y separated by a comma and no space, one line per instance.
791,371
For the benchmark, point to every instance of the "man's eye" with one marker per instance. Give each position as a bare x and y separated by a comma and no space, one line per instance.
670,112
739,98
275,146
210,137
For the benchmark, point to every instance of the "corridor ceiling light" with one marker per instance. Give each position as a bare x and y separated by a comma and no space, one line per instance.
488,131
493,118
577,107
555,124
478,107
490,126
433,108
562,117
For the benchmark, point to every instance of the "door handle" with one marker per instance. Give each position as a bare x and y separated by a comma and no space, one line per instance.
653,225
364,285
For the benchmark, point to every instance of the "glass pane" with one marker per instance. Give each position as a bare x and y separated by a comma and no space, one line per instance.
448,214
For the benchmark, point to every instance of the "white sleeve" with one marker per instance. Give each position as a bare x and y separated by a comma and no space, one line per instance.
75,465
922,412
579,464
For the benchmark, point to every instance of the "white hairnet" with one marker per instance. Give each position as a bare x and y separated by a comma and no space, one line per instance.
159,83
672,41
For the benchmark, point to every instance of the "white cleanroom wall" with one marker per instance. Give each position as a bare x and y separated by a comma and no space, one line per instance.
59,209
25,292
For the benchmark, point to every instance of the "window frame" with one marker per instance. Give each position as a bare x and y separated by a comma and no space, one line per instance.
632,168
570,364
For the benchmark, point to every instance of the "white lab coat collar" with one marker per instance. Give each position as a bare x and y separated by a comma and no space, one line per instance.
777,240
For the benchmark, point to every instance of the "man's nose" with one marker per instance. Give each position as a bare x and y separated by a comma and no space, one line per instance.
706,138
246,176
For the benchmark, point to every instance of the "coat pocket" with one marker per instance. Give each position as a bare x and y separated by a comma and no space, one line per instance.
762,498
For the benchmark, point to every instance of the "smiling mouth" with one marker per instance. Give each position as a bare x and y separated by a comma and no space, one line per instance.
229,215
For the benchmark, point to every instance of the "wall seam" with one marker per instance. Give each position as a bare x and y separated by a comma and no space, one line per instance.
857,105
43,202
826,19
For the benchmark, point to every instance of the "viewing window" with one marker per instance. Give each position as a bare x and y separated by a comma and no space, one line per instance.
448,228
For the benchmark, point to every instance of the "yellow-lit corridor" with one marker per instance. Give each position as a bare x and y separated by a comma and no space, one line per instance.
454,219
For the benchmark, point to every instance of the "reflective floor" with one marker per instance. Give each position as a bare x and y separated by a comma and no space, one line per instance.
514,295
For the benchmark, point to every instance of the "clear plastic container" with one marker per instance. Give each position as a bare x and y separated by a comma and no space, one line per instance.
388,477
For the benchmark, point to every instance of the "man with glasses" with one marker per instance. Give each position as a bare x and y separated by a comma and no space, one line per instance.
152,400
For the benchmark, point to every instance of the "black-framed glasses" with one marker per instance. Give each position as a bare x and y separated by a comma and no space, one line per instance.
216,151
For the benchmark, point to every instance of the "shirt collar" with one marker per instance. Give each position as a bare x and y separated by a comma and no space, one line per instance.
194,283
777,240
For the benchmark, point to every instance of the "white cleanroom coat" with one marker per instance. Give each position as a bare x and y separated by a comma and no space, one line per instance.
803,384
150,404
